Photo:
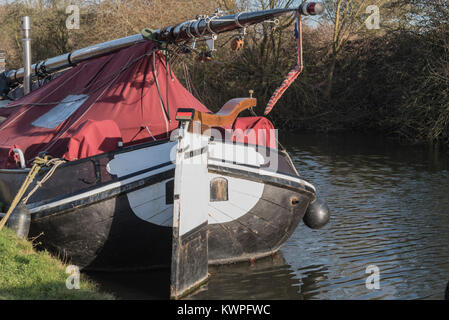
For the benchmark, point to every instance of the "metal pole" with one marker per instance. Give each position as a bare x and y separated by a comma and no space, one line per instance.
26,41
198,28
2,61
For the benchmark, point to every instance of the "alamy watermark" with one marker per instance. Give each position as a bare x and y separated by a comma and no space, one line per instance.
373,21
373,280
255,147
73,280
73,20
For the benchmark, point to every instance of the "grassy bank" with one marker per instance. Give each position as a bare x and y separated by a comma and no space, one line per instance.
28,274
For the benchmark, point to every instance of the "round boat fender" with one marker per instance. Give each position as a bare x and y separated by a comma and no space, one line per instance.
317,214
20,220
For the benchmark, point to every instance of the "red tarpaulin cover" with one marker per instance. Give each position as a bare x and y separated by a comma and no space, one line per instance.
252,130
93,137
91,107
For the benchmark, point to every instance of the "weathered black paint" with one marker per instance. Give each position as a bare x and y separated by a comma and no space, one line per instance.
261,231
20,220
189,265
105,235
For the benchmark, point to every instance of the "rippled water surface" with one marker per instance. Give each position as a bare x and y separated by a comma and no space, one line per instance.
390,208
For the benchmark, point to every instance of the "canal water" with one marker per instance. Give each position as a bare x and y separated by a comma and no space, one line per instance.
390,213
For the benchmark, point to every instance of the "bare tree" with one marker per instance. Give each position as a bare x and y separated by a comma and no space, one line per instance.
350,19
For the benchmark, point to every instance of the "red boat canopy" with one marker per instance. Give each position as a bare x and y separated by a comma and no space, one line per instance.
129,96
128,87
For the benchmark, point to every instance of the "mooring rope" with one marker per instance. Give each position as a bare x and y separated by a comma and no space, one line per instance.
54,164
38,164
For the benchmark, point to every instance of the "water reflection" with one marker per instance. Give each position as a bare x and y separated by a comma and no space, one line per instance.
250,281
268,278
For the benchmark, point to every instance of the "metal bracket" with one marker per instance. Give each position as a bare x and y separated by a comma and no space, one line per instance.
275,22
237,22
210,42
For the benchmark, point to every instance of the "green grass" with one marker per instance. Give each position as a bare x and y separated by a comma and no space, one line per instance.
28,274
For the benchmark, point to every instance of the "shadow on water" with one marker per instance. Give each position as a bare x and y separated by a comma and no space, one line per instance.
389,209
142,285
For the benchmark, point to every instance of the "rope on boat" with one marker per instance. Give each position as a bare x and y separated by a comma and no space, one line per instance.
54,164
294,73
38,164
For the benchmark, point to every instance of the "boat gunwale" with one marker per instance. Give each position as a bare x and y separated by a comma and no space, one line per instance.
277,180
134,147
101,155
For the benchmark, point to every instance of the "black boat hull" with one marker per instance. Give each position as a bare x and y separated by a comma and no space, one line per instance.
108,236
97,227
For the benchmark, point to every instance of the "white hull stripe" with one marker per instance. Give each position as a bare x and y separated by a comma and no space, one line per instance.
106,188
147,174
261,172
